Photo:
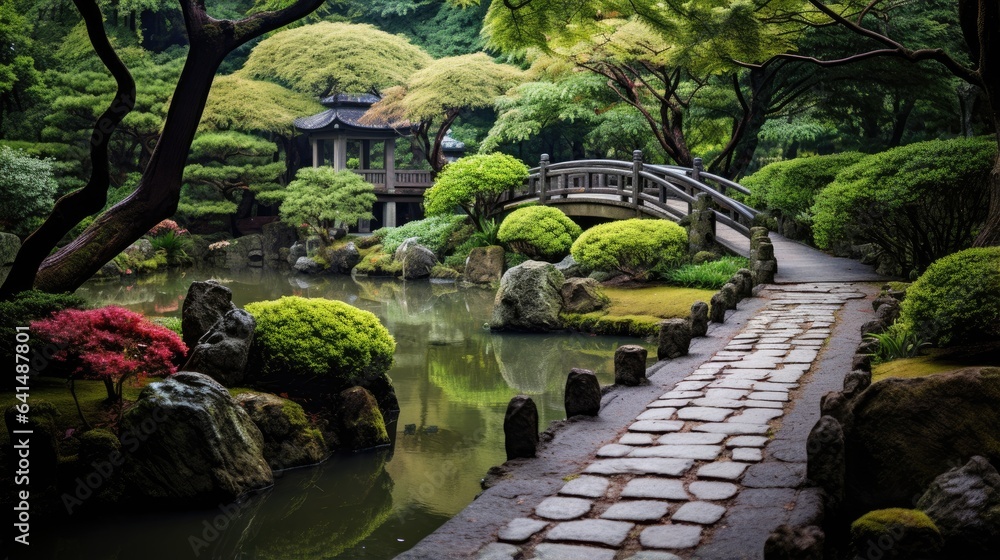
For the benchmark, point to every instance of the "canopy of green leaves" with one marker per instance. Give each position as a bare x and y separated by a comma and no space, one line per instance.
239,103
322,198
474,183
327,58
26,188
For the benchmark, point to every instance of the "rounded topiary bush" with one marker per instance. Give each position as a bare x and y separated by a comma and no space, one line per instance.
789,187
955,300
539,232
917,203
633,246
305,346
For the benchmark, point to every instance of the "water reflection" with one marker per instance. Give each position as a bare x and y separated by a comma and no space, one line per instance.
453,380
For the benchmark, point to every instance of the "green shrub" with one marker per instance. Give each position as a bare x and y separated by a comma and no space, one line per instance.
633,246
918,202
540,232
512,259
710,275
789,187
306,338
474,183
172,323
174,245
26,307
433,232
895,343
955,300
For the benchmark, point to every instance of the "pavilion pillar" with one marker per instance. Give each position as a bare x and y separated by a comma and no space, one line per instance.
366,154
339,152
390,182
315,151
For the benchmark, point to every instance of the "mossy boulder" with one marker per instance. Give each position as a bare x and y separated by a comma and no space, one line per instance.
965,504
360,424
312,349
484,265
583,295
895,533
900,434
529,298
289,439
100,455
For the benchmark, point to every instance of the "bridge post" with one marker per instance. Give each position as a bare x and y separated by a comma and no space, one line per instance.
696,169
543,178
636,180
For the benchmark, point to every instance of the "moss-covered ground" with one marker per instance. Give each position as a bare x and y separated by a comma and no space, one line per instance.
637,311
938,360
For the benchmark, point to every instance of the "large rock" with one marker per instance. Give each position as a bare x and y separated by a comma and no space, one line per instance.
359,422
276,236
306,265
582,295
895,534
699,319
10,244
289,439
141,250
342,260
572,269
245,252
222,352
825,459
205,304
583,393
529,298
900,434
630,364
520,428
965,505
188,442
484,265
674,339
417,260
295,252
885,315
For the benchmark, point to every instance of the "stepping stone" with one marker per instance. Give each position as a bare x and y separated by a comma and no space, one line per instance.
691,438
657,414
681,395
689,385
629,465
521,529
651,555
702,513
808,342
614,450
733,428
703,414
497,551
548,551
766,386
586,486
656,426
756,415
728,470
733,394
730,383
773,346
768,396
782,376
677,403
763,404
644,510
753,374
671,536
747,441
699,452
713,490
718,403
700,377
739,347
598,531
636,439
659,488
750,454
562,508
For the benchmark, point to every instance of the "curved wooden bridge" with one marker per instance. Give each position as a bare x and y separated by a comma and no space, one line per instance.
619,189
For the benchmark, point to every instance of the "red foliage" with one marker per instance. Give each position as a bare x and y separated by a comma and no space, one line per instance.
111,343
164,227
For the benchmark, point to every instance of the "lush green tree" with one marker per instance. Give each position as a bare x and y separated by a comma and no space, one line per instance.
474,184
18,73
327,58
26,188
324,198
158,192
436,95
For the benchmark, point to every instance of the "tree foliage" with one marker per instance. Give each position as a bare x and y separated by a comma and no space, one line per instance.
324,198
328,58
246,105
475,184
633,247
26,188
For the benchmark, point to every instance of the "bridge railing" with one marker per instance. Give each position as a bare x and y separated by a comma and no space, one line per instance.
664,190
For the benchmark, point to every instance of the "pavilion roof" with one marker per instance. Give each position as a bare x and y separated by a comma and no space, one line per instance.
345,112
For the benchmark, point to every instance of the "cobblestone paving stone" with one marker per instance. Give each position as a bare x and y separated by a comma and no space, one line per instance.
697,454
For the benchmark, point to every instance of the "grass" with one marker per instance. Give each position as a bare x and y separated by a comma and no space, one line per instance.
91,394
637,311
938,360
710,275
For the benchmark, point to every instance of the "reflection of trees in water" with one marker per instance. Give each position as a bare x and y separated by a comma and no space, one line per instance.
468,372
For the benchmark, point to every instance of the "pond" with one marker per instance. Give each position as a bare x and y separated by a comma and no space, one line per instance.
453,378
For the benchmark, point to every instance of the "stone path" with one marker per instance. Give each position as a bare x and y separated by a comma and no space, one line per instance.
677,481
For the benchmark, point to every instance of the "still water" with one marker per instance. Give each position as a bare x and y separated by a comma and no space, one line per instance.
453,379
